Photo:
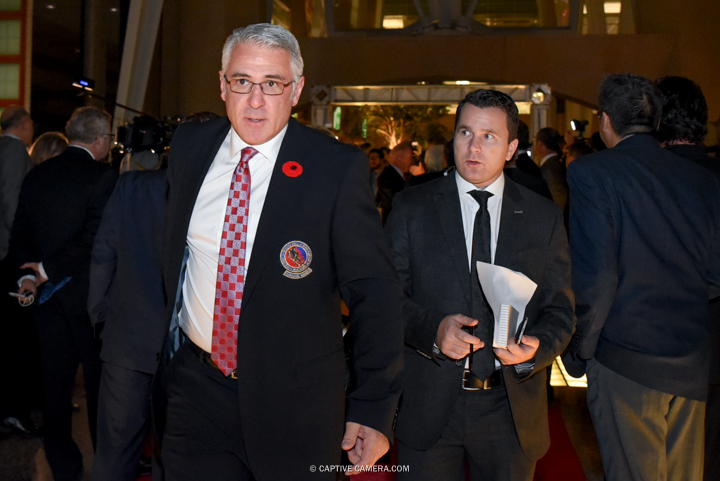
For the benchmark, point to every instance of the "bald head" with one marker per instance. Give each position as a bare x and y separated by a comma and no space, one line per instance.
16,120
402,156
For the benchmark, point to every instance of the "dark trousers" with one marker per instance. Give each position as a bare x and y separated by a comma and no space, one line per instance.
202,438
123,422
66,341
480,430
19,367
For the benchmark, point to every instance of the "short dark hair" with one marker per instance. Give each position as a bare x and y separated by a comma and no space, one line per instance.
550,138
380,152
523,136
631,102
486,99
86,123
12,117
684,110
579,148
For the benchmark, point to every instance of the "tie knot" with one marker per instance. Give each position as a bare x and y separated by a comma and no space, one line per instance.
247,153
481,196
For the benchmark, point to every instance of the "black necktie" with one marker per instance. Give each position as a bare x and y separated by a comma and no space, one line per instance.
484,359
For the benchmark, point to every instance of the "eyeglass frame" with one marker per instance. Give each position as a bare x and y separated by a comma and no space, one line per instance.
284,85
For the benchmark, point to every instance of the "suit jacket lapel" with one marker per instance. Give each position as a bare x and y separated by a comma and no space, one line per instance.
447,204
282,192
511,226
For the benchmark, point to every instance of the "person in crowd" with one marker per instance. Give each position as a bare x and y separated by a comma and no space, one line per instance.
434,163
682,131
268,224
536,184
576,150
547,151
125,304
523,161
392,179
60,206
596,141
493,415
46,146
376,157
644,241
17,132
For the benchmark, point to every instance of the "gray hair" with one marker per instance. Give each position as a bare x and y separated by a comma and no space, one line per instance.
269,36
86,124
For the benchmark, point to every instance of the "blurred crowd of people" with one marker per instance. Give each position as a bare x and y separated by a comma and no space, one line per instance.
620,232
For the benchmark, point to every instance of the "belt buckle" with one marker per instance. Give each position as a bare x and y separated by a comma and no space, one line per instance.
466,378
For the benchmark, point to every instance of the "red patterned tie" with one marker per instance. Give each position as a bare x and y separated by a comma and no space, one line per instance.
231,268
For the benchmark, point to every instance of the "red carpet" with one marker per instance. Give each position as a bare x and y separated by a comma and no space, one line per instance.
561,463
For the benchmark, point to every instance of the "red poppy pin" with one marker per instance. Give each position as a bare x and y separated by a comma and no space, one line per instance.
292,169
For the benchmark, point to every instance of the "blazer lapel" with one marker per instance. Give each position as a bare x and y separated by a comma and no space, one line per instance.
282,192
447,204
511,225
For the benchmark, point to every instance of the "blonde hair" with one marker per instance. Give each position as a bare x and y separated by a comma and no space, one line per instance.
47,145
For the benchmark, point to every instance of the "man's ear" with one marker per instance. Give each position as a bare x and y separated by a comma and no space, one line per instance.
512,147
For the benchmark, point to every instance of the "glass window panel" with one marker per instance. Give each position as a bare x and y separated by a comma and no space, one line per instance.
10,5
9,81
9,37
521,13
375,14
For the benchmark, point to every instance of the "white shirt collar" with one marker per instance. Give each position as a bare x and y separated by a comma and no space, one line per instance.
13,136
81,147
496,188
269,149
544,159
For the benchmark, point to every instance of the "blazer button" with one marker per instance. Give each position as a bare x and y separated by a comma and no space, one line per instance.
459,362
157,356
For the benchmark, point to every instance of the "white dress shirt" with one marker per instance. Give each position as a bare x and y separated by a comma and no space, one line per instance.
469,207
206,226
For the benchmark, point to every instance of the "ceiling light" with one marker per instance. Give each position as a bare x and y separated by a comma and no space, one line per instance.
50,7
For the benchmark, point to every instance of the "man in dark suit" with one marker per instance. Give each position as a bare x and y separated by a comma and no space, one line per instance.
392,179
17,132
259,394
126,302
552,168
524,162
496,417
644,240
682,130
60,206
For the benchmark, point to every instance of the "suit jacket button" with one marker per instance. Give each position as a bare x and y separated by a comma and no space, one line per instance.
459,362
157,356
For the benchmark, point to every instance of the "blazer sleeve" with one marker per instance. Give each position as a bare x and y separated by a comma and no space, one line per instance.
421,323
594,256
76,253
103,261
370,288
556,320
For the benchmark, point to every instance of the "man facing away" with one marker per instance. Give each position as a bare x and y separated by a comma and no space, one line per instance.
644,233
392,179
61,203
268,224
494,416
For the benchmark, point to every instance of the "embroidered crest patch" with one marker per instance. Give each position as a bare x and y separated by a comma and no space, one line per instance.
296,257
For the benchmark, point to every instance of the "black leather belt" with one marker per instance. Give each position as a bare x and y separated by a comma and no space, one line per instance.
472,383
206,357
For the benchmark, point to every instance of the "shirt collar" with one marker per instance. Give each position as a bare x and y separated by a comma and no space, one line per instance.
269,149
81,147
544,159
496,188
13,136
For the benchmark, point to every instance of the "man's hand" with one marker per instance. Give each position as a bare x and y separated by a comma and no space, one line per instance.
452,340
36,267
516,354
364,446
27,285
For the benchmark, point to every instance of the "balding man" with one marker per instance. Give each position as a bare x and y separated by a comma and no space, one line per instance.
392,178
17,129
59,210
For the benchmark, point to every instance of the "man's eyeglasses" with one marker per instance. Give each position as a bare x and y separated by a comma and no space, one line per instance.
245,86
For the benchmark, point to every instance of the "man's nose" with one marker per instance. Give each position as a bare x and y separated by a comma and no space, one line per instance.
475,144
257,97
